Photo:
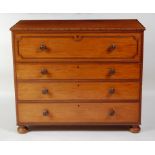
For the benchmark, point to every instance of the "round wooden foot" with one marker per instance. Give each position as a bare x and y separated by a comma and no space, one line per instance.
135,129
22,129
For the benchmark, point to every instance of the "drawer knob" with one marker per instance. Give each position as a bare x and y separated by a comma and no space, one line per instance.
45,112
111,71
78,66
112,47
45,91
43,47
111,90
43,71
111,112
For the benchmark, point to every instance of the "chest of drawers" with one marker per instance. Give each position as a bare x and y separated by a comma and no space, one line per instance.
78,72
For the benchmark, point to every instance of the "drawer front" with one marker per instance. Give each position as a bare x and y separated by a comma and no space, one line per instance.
78,90
77,71
78,46
78,113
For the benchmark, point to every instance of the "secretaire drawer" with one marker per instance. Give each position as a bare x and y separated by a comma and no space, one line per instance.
78,90
82,46
78,71
78,113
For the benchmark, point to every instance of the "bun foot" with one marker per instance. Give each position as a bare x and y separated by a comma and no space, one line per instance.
22,129
135,129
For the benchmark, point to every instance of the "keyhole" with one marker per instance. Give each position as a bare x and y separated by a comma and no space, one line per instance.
78,105
77,37
77,67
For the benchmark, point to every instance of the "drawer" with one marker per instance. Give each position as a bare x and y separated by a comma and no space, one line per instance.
78,90
78,71
78,113
78,46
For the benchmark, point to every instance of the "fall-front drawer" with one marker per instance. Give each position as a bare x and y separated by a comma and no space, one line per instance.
79,46
78,70
77,90
73,113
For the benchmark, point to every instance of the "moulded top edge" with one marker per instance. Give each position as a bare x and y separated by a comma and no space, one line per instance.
78,25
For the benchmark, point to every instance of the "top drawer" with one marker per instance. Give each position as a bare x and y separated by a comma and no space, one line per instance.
81,46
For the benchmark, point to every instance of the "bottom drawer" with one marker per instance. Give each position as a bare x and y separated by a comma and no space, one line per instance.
78,113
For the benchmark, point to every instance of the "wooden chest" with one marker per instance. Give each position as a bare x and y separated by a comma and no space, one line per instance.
78,72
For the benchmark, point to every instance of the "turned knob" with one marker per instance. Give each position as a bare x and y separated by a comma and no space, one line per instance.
111,90
43,47
43,71
78,66
111,71
45,112
112,47
45,91
111,112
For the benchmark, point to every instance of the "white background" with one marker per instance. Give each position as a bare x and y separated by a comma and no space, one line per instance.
7,100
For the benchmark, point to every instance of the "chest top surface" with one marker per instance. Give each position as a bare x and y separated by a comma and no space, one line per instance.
79,25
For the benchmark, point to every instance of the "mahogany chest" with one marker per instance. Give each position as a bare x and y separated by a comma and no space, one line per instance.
78,72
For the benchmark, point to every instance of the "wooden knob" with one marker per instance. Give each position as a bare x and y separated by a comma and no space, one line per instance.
111,47
111,71
45,112
111,90
111,112
43,71
45,91
43,47
78,66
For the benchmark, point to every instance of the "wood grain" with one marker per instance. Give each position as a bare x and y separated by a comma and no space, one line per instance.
78,46
78,113
79,25
75,70
77,90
